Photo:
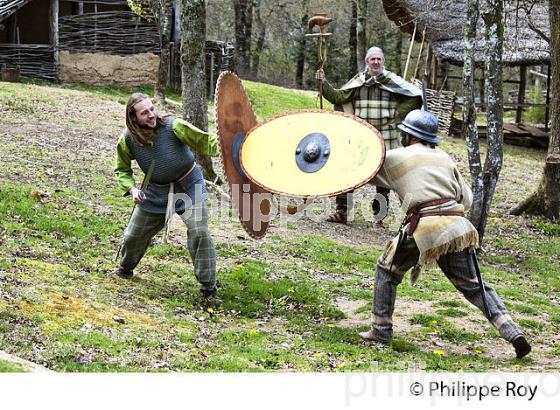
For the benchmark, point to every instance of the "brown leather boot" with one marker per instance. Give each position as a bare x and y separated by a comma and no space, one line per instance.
521,346
121,273
372,336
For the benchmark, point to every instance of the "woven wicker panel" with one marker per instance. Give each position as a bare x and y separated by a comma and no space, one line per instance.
33,60
115,32
441,103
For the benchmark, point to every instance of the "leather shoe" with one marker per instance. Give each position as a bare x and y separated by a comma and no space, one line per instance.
210,296
373,336
521,346
122,273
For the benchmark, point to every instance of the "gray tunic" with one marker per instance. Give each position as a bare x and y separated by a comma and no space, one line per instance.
173,160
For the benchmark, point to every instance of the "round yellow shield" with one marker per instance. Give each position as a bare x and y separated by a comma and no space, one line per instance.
312,153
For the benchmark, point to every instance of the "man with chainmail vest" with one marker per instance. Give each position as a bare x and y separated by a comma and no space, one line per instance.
381,98
434,231
163,148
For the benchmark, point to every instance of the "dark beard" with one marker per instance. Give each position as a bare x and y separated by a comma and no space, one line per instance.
405,139
148,133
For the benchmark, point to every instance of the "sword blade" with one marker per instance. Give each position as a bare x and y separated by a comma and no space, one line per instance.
148,175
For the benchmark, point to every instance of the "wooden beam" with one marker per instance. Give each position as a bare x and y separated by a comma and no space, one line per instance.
12,28
419,55
435,69
521,94
78,8
409,52
53,20
428,67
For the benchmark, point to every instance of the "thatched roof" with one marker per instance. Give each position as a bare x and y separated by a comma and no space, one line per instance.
444,21
8,7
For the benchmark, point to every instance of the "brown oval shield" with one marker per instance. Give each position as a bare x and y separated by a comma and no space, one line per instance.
234,119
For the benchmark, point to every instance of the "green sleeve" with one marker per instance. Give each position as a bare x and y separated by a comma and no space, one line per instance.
336,96
199,141
123,167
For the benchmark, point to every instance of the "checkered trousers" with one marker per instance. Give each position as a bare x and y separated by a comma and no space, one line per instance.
143,226
458,267
379,108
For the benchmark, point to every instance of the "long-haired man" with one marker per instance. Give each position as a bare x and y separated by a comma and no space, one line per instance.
176,185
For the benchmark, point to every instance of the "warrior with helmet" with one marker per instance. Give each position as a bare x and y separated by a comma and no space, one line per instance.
434,231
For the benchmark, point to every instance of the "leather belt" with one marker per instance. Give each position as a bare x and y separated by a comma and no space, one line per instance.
178,179
413,215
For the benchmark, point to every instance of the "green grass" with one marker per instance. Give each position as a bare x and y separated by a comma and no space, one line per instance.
10,367
269,100
281,296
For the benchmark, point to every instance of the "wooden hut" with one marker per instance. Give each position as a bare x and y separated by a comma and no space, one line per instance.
97,42
437,25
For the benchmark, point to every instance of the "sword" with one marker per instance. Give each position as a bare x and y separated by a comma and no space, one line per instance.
143,187
480,283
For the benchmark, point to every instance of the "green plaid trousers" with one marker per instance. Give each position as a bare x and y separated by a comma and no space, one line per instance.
143,226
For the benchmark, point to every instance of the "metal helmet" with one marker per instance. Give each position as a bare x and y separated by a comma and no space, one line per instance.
421,124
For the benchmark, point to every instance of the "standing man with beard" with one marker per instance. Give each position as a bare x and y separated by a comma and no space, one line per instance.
381,98
176,185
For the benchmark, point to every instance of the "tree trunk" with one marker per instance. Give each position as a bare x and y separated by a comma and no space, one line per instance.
243,30
163,10
53,35
300,53
353,40
494,38
193,95
469,112
259,45
521,93
398,53
361,34
545,201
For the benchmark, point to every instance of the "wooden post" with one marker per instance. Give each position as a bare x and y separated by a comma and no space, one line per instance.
211,74
95,27
78,8
547,108
409,52
521,95
419,54
435,70
428,67
13,28
53,12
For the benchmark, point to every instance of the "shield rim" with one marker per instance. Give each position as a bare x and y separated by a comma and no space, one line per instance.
265,224
335,193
